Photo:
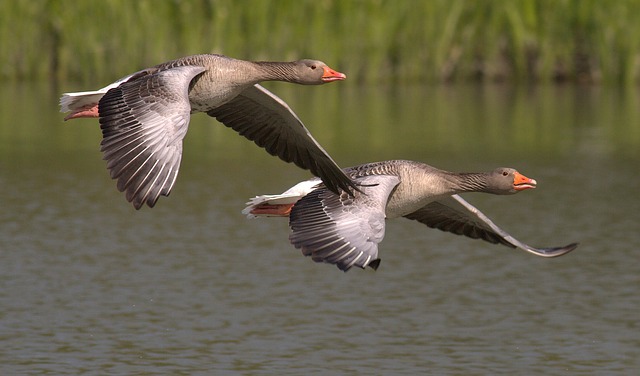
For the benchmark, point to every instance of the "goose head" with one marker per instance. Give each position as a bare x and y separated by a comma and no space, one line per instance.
505,180
315,72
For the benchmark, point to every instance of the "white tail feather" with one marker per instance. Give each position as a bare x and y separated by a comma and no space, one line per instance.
81,99
291,196
77,101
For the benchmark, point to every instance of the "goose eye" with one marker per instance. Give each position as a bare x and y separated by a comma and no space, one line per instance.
505,173
313,67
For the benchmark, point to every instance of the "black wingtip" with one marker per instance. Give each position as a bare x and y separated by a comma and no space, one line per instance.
558,251
349,189
374,264
337,183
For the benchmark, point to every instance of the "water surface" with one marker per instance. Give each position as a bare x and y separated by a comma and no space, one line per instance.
91,286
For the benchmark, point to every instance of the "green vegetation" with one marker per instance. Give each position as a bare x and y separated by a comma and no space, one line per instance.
373,41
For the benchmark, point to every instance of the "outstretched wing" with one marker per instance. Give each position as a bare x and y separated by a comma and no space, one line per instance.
143,124
343,230
267,120
454,214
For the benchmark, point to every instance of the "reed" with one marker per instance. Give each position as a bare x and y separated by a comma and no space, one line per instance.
97,41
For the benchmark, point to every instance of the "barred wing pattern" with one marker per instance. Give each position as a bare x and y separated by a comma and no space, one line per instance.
343,230
143,123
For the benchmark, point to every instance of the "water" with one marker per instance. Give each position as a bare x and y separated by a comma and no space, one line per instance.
91,286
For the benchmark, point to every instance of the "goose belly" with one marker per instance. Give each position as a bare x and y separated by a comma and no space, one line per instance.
203,100
400,208
211,91
407,200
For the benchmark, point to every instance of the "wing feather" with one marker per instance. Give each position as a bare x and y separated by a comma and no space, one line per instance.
267,120
343,230
143,122
454,214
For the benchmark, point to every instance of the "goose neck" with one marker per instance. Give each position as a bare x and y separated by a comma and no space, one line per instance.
276,71
469,182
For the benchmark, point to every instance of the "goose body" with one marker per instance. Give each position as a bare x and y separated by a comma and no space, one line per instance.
345,231
145,115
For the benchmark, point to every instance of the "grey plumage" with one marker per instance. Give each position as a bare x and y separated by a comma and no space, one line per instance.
148,111
346,231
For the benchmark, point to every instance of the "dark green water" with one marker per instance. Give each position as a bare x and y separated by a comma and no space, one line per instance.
88,285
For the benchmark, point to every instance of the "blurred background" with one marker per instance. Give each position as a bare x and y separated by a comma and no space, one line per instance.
90,285
377,41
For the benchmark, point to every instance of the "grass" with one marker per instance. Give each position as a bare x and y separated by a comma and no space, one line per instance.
98,41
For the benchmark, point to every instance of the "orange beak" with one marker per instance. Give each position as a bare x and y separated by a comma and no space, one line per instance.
331,75
521,182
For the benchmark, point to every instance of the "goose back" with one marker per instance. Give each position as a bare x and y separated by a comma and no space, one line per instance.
419,184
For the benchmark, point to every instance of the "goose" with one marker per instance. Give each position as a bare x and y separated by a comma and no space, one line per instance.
345,231
144,118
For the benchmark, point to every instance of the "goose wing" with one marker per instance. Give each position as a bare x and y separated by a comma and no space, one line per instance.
143,122
343,230
454,214
267,120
